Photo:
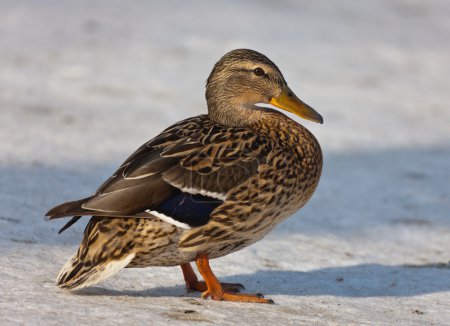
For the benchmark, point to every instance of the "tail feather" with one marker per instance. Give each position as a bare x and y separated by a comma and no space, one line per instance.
76,275
72,221
101,254
69,209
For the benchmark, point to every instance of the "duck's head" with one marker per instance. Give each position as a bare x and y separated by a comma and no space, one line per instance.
244,78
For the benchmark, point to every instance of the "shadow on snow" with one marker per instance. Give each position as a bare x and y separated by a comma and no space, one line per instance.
359,281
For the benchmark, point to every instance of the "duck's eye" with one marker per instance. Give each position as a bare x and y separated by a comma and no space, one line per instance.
258,71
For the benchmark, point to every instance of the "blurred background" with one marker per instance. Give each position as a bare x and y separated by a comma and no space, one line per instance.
84,83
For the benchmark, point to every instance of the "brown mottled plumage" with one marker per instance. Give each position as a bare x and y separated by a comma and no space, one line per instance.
206,186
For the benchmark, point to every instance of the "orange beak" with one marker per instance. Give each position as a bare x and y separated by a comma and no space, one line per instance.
288,101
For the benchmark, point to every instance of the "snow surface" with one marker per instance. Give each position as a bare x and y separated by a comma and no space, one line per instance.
84,83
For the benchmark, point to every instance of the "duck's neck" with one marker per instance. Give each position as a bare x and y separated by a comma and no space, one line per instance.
262,119
235,114
280,127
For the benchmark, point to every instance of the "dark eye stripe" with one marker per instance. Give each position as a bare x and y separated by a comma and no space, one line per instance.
249,70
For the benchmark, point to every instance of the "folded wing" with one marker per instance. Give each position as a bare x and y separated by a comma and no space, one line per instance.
183,174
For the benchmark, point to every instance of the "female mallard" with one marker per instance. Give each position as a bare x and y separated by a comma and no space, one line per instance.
205,187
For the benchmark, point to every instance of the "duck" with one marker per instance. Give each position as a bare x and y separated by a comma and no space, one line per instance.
205,187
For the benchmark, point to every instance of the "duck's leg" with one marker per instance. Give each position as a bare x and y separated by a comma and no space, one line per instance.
193,284
215,289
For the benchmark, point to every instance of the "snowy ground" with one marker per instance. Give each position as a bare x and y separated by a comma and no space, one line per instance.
82,84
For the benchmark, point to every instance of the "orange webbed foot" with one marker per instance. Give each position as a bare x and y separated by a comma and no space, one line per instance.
238,297
213,288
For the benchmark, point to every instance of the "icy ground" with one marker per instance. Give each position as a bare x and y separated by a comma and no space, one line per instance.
84,83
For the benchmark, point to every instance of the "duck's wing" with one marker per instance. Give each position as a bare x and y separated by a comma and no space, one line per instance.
180,176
